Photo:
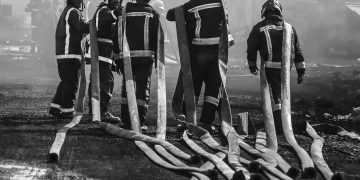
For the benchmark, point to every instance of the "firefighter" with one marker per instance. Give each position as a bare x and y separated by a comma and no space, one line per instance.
203,23
267,38
107,13
69,32
142,23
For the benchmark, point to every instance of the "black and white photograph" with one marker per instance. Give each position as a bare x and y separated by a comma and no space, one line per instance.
180,89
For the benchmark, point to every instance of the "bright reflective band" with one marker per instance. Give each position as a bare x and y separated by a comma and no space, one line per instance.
270,64
67,28
68,56
139,14
104,59
223,64
105,40
211,100
269,44
198,24
113,15
146,32
205,6
300,65
140,53
97,17
271,27
53,105
277,107
209,41
67,110
268,38
120,33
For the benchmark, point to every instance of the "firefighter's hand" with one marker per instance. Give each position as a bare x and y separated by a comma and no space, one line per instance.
231,43
300,79
254,70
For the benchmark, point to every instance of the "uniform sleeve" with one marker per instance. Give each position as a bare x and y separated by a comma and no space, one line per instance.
76,21
108,16
253,47
115,39
155,26
299,58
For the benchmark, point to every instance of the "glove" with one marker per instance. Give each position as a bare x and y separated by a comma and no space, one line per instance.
300,79
231,43
254,70
300,73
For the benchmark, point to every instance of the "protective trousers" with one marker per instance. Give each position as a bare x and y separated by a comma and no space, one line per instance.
69,72
205,69
106,86
142,69
274,79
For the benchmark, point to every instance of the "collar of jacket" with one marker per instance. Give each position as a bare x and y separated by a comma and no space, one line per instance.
274,18
139,3
102,4
70,5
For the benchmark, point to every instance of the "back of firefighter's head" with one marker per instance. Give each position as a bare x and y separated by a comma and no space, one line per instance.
78,4
271,7
113,4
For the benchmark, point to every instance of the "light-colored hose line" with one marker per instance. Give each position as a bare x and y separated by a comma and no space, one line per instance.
54,153
267,109
316,153
306,161
221,165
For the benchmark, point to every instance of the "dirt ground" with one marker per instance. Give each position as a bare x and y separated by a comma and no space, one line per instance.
27,133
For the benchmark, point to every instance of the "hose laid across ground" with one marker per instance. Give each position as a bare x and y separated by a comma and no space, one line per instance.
317,156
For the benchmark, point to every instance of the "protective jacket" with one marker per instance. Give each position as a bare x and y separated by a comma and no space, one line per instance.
69,33
104,18
142,23
267,38
203,21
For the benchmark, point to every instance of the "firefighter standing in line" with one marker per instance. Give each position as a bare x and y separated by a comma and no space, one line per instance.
142,23
203,23
106,14
69,33
267,38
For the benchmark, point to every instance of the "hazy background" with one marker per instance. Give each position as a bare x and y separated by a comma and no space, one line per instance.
329,32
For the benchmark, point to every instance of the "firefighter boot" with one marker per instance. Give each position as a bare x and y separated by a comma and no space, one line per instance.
107,117
55,112
67,115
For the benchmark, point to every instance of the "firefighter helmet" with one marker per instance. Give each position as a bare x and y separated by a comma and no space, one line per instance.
78,4
113,4
271,5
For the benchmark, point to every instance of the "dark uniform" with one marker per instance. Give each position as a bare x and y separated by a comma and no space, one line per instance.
69,33
267,38
142,22
203,23
105,17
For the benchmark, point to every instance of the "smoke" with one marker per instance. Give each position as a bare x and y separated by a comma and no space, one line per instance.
328,29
